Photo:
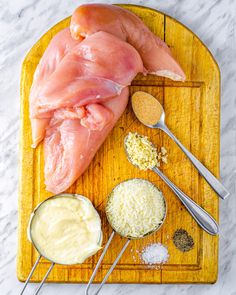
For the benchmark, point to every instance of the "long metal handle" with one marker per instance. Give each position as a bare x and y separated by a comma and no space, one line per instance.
204,219
44,279
111,268
31,273
210,178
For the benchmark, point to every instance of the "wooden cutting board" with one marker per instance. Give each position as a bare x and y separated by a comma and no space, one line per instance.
192,113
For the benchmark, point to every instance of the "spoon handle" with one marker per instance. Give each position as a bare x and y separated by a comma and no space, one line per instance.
203,218
210,178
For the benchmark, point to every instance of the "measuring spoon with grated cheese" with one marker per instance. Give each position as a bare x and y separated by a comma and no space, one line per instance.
116,230
150,112
202,217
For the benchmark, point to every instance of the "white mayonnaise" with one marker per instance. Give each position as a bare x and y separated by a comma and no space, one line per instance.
66,229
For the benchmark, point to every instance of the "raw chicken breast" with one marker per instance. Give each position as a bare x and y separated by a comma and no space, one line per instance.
92,116
157,58
82,92
59,46
92,72
83,98
72,91
69,147
97,117
38,127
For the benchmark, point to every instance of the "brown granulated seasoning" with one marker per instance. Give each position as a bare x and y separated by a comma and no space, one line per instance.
182,240
146,107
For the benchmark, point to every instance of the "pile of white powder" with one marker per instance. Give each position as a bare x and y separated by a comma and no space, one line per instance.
155,254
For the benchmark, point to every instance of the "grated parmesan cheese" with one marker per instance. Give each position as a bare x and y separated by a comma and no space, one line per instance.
142,153
135,208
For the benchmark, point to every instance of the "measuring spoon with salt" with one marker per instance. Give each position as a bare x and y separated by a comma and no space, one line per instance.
150,112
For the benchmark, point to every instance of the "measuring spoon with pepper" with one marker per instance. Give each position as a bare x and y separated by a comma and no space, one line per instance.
150,112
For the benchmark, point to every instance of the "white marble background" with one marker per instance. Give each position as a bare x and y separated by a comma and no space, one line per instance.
22,22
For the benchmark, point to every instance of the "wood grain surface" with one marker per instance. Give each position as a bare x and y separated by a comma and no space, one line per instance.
192,113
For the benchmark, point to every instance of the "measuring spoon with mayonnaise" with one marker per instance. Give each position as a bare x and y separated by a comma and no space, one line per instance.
150,112
65,229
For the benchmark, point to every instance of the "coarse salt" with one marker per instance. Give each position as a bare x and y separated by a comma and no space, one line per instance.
155,254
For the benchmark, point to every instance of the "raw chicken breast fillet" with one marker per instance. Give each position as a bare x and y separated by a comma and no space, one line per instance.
95,70
85,96
59,46
69,147
157,58
80,86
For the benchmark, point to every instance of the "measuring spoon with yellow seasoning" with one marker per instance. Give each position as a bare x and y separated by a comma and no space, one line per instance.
150,112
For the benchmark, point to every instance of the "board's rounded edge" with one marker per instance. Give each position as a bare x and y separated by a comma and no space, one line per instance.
124,6
35,46
181,24
20,277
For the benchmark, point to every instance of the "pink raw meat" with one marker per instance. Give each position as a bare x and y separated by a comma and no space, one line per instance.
92,72
92,116
83,92
73,91
83,99
59,46
157,58
69,147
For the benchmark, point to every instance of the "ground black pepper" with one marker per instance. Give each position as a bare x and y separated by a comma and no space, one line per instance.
182,240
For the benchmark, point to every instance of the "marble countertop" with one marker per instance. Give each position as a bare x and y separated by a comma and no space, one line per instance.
22,22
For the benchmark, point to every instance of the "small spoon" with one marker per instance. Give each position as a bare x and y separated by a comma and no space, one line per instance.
152,115
204,219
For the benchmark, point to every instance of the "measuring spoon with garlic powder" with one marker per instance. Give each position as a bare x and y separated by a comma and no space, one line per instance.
204,219
150,112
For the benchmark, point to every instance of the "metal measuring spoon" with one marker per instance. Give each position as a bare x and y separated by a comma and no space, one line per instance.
155,118
115,231
204,219
31,238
